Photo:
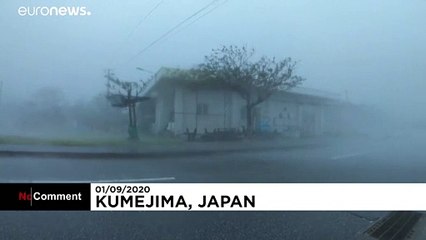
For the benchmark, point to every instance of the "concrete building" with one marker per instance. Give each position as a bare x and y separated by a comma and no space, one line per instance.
175,107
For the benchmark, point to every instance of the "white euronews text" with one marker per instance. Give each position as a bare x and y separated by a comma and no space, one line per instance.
53,11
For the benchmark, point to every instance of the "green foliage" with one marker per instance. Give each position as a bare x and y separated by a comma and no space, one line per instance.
255,80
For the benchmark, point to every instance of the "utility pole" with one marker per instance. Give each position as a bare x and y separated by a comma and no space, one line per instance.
128,99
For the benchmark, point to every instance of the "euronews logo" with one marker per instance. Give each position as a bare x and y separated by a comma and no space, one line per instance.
45,11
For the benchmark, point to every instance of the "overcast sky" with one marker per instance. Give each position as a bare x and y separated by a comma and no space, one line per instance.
373,49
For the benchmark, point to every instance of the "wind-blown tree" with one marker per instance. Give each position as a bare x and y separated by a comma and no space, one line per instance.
125,94
254,81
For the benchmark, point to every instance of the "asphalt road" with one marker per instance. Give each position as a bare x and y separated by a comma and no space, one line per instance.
398,158
394,159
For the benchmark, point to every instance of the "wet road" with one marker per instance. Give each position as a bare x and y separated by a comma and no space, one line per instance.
180,225
358,160
388,159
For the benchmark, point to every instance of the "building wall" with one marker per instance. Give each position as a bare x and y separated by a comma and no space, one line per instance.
217,112
278,115
332,119
310,120
179,109
184,110
164,109
146,115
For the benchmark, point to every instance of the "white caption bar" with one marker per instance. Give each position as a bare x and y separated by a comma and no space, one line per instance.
258,197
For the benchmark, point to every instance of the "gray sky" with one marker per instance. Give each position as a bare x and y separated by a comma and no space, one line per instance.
374,49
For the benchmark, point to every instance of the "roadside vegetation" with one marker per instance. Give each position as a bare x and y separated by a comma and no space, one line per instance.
87,142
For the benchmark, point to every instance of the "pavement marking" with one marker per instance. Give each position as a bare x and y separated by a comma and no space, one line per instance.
130,180
347,156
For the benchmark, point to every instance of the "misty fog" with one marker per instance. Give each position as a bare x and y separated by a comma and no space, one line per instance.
109,91
370,53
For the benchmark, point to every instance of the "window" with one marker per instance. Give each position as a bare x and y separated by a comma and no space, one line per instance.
202,109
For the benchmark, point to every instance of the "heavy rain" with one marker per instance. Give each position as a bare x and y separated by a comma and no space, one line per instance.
212,91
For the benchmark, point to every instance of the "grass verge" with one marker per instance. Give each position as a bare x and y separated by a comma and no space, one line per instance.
86,142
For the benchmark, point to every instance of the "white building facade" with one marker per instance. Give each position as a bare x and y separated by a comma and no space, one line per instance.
176,108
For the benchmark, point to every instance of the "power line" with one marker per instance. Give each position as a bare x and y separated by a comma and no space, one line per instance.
144,18
139,23
205,14
173,28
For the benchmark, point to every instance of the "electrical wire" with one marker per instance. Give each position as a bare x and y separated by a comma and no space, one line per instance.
137,26
173,29
197,19
144,18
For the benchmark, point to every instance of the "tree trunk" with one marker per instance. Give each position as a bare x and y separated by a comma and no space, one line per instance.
129,105
135,123
249,119
130,116
134,115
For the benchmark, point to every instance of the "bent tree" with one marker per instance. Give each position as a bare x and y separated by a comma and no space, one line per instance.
254,80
